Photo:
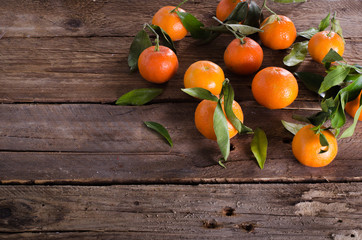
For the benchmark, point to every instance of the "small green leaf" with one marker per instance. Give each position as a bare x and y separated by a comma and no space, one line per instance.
319,118
327,104
165,39
253,16
259,146
193,25
336,26
323,140
301,118
140,42
334,78
297,55
324,23
311,80
270,19
221,131
161,130
338,117
292,127
350,130
332,56
244,29
239,13
200,93
353,89
308,33
289,1
139,96
228,92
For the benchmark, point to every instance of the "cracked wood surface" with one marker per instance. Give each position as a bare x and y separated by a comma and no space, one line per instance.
247,211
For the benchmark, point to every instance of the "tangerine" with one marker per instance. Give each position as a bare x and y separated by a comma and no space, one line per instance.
243,58
274,87
352,107
225,8
308,151
204,118
204,74
169,21
321,42
279,34
157,65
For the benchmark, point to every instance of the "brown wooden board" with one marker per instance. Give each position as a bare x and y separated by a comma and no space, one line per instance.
96,69
248,211
124,18
105,143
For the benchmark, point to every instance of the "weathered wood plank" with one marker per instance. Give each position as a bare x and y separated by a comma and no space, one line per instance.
262,211
123,18
96,70
108,143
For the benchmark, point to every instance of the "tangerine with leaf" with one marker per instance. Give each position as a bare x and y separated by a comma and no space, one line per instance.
278,33
308,150
169,21
204,118
352,107
225,8
321,42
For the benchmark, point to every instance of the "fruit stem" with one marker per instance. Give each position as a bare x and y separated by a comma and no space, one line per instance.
173,10
267,8
157,40
238,36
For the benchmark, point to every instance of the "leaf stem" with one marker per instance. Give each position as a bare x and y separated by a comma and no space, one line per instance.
157,40
235,33
267,8
173,10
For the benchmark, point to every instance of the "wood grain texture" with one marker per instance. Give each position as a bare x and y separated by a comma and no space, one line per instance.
96,69
123,18
262,211
105,143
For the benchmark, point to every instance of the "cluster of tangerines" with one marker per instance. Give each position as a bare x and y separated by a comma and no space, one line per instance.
272,87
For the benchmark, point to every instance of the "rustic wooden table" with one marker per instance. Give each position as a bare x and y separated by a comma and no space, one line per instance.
74,165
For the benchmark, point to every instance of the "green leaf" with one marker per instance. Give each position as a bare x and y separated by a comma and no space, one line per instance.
352,90
253,16
139,96
221,131
292,127
332,56
334,78
327,104
139,43
289,1
338,117
350,130
311,80
243,29
259,146
161,130
228,92
308,33
193,25
297,55
319,118
239,13
270,19
323,140
200,93
324,23
301,118
336,26
165,39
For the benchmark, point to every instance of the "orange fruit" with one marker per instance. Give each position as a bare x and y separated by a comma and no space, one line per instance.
243,58
321,42
170,22
308,151
204,74
157,66
274,87
204,118
279,34
352,107
225,7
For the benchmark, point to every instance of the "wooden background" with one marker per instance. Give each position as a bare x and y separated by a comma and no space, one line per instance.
74,165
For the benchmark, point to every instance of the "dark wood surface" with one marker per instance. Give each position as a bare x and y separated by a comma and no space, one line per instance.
75,166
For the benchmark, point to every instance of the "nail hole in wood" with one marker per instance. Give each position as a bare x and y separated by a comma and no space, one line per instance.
232,147
136,203
248,227
352,235
287,140
210,224
74,23
228,211
340,220
5,212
